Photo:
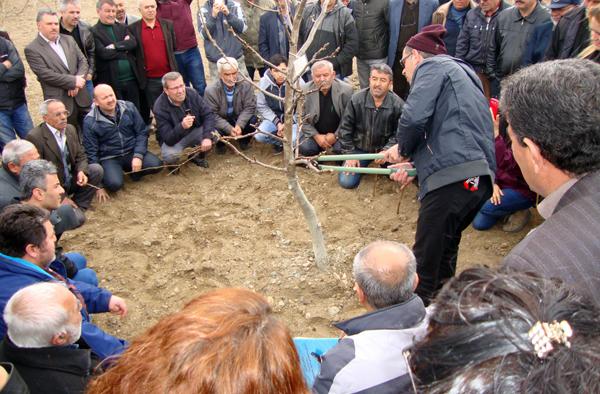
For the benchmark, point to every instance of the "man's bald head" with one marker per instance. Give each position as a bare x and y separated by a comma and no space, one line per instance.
105,98
385,272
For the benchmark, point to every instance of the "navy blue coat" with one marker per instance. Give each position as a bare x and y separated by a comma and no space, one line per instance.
103,139
426,10
16,274
268,36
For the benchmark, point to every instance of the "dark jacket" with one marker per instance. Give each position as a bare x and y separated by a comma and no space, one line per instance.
268,107
104,139
179,12
169,117
566,246
370,358
12,80
426,10
518,42
107,68
10,192
570,36
366,127
475,37
15,383
166,27
340,91
268,35
14,276
453,27
337,30
446,127
372,19
89,46
46,145
244,104
50,370
218,28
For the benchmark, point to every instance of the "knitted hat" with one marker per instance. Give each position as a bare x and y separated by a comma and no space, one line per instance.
430,40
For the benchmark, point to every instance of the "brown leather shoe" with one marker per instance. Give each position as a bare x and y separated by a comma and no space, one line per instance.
517,221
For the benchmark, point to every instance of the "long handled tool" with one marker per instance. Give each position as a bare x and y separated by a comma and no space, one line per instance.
360,170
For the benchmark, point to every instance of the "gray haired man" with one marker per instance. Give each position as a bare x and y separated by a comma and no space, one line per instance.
14,156
43,321
370,357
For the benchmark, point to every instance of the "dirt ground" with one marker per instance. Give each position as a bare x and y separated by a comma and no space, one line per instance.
162,241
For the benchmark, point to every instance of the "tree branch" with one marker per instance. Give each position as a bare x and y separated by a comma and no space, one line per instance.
249,159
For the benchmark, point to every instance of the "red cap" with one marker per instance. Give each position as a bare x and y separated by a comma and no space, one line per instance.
430,40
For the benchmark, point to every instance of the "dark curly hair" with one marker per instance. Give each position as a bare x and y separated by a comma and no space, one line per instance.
478,337
557,105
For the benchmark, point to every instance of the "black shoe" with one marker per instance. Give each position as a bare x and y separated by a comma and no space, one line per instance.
221,148
244,144
277,148
200,161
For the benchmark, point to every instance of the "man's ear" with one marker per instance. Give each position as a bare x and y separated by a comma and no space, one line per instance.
535,154
415,281
13,168
360,294
59,339
37,193
31,250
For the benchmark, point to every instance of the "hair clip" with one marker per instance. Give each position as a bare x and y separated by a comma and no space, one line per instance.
543,334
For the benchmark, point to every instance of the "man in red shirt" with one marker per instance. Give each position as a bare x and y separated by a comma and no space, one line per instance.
156,49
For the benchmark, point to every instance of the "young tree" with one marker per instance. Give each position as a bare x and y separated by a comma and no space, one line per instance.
298,64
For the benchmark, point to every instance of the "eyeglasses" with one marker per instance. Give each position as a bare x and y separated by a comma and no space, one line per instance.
404,59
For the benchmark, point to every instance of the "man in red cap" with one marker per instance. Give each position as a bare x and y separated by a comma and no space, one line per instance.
446,131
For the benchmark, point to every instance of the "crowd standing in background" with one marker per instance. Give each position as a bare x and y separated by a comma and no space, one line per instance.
496,106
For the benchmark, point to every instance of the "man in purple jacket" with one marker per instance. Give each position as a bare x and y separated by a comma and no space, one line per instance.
187,55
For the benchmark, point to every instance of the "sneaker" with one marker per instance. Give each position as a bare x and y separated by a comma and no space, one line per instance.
517,221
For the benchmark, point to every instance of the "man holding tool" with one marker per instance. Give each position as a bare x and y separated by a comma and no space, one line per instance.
446,130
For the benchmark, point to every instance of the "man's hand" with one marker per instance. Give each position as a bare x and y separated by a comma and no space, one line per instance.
89,77
102,196
110,46
224,10
79,81
188,121
73,92
216,8
392,155
68,201
401,176
237,130
206,145
351,163
280,129
117,306
381,161
136,164
330,138
82,179
7,64
321,140
496,195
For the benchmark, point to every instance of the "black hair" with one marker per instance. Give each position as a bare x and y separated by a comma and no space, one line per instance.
557,105
478,337
21,225
277,59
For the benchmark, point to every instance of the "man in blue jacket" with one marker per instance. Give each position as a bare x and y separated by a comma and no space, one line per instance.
115,135
446,130
27,250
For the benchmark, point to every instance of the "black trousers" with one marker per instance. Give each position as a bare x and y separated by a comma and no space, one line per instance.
443,215
129,91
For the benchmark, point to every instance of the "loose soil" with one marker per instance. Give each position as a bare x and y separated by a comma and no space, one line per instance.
164,240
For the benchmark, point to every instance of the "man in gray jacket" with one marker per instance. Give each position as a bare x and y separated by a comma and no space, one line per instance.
446,130
217,16
558,151
233,102
324,106
370,357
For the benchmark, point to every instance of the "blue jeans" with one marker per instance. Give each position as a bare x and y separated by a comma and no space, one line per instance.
512,201
171,153
13,122
113,169
83,274
351,181
191,68
269,127
89,85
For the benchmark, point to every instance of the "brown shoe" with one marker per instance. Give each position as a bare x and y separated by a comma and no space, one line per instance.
517,221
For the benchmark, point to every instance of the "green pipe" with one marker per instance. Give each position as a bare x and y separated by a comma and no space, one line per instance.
363,156
368,170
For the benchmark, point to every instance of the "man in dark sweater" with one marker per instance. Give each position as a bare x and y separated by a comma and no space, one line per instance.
183,119
115,59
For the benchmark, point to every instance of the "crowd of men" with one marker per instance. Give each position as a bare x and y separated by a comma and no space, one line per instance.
427,73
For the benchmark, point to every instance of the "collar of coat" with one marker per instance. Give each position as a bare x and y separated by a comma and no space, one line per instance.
396,317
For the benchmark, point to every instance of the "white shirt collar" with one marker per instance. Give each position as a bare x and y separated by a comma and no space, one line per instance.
48,41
